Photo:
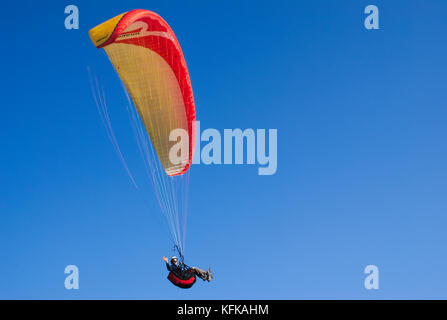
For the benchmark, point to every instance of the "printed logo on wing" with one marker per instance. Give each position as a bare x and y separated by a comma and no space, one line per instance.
140,29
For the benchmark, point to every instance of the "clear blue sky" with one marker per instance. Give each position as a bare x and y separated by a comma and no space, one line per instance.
362,154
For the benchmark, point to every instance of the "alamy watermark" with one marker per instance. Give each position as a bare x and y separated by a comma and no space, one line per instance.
372,280
248,146
72,280
72,19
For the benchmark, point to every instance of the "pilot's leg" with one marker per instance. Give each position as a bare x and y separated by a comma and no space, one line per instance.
204,275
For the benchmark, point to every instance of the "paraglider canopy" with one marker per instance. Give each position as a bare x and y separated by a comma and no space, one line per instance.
148,58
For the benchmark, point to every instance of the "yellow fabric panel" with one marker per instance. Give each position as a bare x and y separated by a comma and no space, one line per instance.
102,33
155,91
